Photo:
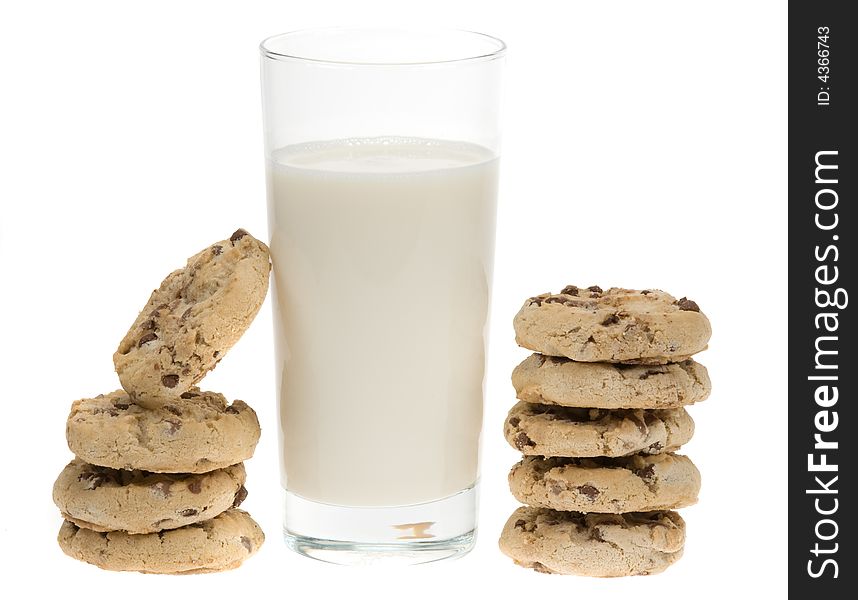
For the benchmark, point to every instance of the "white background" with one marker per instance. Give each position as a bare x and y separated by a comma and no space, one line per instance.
644,146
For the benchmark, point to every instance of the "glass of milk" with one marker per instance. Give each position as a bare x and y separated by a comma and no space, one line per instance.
382,166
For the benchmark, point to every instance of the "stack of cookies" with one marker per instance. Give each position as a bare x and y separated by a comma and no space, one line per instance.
601,413
158,474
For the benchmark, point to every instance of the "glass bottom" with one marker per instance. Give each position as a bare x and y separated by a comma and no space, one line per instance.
413,534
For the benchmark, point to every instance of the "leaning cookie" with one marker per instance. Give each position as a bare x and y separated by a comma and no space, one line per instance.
195,433
215,545
191,321
545,430
635,483
551,380
616,325
595,545
104,499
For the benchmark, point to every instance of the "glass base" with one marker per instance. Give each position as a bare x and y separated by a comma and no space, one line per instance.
413,534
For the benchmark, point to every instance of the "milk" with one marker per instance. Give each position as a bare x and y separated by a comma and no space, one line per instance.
382,252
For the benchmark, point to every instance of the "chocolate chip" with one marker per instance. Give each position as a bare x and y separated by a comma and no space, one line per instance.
173,409
146,339
239,233
556,300
686,304
240,496
519,524
217,250
121,405
514,421
521,440
245,541
647,473
195,486
645,292
231,410
596,534
570,290
216,353
162,488
589,491
594,288
612,320
150,324
591,340
189,512
188,395
170,381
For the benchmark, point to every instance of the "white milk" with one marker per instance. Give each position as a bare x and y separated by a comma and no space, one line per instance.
382,252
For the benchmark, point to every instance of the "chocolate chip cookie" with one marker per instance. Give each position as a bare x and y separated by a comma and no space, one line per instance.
551,380
614,325
596,545
606,485
194,433
215,545
104,499
192,319
546,430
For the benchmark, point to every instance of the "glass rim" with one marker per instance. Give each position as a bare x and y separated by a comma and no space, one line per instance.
266,50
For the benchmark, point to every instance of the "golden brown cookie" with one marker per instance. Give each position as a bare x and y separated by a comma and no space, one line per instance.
636,483
104,499
550,380
595,545
192,319
614,325
195,433
215,545
548,430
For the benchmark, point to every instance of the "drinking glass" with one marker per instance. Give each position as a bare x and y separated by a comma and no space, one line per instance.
381,153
